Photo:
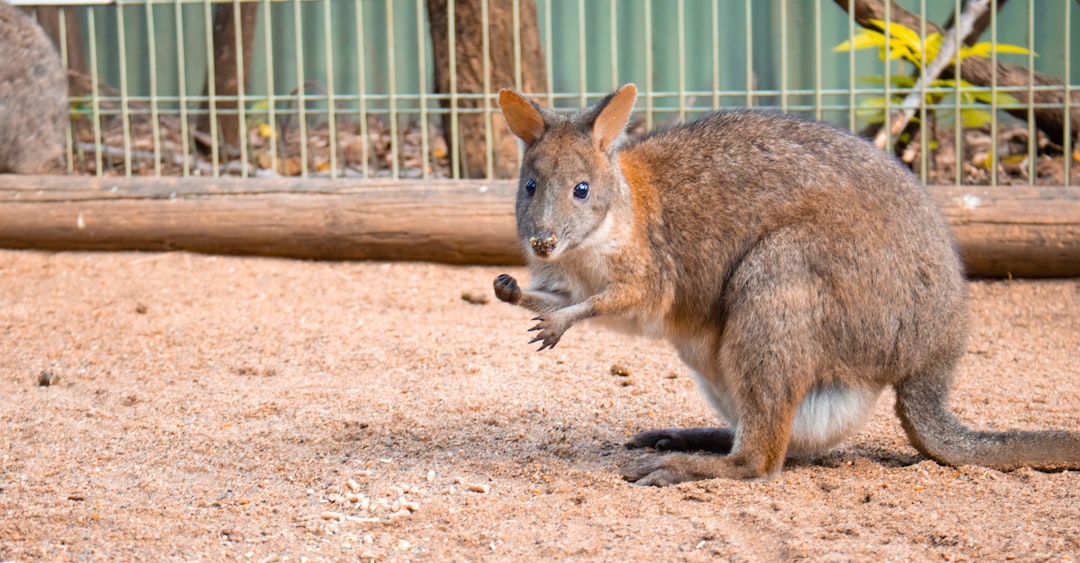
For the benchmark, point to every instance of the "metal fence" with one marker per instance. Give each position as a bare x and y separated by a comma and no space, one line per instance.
351,87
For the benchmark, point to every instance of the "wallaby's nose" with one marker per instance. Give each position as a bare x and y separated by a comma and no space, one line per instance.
543,243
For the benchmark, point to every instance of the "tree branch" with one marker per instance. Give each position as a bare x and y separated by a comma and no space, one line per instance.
980,71
972,11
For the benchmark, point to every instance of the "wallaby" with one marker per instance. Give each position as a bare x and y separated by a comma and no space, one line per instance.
33,97
796,269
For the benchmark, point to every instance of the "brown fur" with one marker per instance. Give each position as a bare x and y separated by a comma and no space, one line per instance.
797,270
33,97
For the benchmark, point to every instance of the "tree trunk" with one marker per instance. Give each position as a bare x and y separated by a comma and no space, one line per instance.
469,53
226,75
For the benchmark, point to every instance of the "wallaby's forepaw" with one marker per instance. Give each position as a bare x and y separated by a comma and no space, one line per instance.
507,290
551,328
657,470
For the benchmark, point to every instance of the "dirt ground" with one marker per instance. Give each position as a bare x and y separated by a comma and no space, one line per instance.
218,408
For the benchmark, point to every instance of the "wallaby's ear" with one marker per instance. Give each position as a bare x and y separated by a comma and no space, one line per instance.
522,116
613,114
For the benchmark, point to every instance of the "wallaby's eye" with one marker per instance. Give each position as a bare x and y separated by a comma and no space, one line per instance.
530,186
581,191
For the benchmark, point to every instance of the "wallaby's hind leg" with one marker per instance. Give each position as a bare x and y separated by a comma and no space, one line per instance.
767,362
716,440
763,436
922,405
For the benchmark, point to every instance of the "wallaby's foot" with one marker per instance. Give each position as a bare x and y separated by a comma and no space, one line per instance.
507,290
669,469
718,440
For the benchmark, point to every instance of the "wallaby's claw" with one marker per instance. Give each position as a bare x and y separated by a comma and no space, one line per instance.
549,334
506,289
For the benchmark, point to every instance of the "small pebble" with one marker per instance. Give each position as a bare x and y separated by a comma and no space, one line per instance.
474,298
479,488
47,378
353,485
620,370
332,516
400,514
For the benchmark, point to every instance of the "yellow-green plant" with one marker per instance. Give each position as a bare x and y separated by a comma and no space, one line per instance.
904,43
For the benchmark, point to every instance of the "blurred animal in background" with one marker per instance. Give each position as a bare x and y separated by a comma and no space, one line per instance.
33,97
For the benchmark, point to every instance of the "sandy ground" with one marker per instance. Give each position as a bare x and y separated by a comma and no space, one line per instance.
256,409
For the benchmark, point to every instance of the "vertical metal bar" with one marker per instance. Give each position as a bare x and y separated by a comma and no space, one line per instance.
1066,110
818,112
549,71
852,122
517,44
958,135
69,155
455,145
211,87
582,59
715,19
614,33
749,56
391,90
271,88
680,27
1032,140
887,124
155,126
421,75
648,66
241,88
784,55
301,97
185,133
331,101
489,145
95,98
361,86
924,154
994,133
125,117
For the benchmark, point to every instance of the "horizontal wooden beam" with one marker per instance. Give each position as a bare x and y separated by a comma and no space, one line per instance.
1003,230
441,221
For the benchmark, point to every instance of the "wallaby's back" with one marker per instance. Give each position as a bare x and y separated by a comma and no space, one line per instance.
866,227
33,97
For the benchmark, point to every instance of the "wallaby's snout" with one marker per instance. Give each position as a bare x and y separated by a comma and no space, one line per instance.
543,243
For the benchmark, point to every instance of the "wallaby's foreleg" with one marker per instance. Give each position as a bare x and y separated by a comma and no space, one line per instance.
507,290
717,440
557,314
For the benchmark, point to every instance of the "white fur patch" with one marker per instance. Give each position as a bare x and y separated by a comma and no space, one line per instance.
827,416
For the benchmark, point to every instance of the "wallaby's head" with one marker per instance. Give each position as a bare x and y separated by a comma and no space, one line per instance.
570,187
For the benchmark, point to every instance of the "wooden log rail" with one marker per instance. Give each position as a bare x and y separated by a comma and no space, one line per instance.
1001,231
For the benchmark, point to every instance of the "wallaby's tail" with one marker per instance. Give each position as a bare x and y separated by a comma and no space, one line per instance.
936,433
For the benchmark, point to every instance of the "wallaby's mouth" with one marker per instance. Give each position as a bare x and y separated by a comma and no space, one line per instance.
543,244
